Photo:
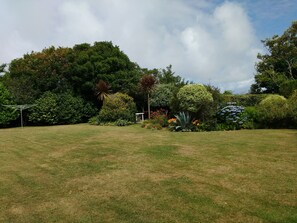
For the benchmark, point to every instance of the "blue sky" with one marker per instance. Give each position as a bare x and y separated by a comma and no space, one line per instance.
206,41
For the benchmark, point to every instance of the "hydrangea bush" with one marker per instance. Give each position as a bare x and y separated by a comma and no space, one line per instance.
231,117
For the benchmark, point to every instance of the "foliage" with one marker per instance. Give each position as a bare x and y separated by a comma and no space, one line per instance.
76,69
231,117
273,111
183,122
6,114
63,108
167,76
94,120
287,88
147,84
252,118
122,122
244,99
150,124
162,95
279,64
292,101
117,106
46,110
194,98
102,90
160,117
210,109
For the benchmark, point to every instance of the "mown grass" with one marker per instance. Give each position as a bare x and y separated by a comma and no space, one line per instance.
84,173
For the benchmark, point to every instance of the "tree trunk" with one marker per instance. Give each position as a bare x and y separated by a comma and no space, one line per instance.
148,106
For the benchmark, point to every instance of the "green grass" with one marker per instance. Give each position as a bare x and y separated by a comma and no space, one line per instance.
85,173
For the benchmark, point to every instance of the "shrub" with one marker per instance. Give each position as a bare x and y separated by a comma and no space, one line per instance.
63,108
162,95
46,111
252,115
292,101
245,100
160,117
182,122
149,124
231,117
273,111
118,106
121,122
194,97
6,114
93,120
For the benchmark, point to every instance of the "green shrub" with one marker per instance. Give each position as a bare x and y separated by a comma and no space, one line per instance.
118,106
162,95
194,98
62,108
181,122
93,120
252,115
121,122
245,100
6,114
292,101
70,109
273,111
46,111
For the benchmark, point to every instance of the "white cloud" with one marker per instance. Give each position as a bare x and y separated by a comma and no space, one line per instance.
204,42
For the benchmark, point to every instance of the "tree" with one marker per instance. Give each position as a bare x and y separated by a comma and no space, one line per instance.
279,64
162,95
75,70
2,68
193,98
147,83
167,76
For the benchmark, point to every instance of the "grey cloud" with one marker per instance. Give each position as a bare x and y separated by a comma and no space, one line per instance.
204,42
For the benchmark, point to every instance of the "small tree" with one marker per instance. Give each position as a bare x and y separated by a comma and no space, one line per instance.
162,95
102,90
147,83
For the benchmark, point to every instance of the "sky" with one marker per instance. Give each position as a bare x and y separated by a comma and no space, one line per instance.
206,41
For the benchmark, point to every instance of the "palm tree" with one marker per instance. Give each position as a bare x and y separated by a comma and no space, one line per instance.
102,90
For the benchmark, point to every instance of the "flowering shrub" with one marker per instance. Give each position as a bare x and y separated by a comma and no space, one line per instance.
160,117
149,124
231,117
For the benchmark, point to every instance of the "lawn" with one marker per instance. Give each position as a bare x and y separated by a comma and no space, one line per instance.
84,173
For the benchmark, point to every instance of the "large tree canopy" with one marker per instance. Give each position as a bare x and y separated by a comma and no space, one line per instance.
279,64
76,69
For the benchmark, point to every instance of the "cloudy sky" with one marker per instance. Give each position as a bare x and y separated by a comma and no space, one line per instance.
206,41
